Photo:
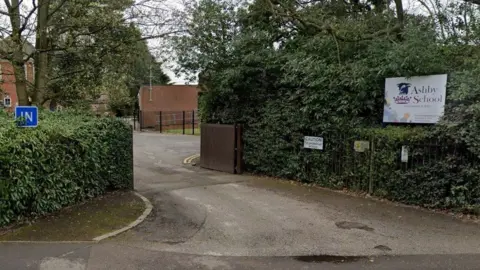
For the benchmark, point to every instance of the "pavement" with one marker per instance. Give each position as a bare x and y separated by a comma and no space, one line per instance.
210,220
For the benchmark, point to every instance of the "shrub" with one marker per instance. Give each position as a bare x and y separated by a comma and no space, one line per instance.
283,84
68,158
440,172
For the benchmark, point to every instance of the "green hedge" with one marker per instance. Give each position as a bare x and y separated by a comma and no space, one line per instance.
68,158
443,169
440,172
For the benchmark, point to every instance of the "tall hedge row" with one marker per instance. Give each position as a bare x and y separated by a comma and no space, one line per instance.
439,173
442,171
68,158
290,70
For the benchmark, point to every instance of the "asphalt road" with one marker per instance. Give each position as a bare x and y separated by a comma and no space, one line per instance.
209,220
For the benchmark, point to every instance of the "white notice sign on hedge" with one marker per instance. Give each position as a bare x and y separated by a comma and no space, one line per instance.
313,142
418,100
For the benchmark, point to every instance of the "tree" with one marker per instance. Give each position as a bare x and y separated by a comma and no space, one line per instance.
41,45
66,28
210,29
142,65
16,44
325,59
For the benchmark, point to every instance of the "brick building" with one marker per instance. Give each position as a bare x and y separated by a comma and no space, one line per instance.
8,93
171,100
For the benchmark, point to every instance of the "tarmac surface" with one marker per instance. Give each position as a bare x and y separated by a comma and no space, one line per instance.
210,220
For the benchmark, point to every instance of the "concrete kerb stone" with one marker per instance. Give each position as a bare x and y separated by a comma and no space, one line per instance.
189,159
146,212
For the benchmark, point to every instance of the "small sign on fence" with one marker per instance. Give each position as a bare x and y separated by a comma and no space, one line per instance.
361,146
404,156
313,142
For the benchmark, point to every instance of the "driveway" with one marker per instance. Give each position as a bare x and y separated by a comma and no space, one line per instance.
209,220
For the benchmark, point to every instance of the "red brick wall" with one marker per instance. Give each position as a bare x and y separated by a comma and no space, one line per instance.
7,84
168,99
30,72
170,120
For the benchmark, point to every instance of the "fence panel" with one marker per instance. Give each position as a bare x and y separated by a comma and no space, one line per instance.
338,164
380,169
177,122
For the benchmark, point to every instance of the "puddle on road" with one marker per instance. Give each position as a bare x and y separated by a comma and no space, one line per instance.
353,225
329,259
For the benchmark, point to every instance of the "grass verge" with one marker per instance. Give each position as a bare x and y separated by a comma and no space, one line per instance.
82,222
188,131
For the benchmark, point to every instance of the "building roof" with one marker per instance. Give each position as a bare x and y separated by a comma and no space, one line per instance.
6,48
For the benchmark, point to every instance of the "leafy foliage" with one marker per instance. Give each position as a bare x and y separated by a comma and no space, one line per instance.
297,68
82,47
68,158
112,60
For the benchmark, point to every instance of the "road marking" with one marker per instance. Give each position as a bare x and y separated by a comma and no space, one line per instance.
189,159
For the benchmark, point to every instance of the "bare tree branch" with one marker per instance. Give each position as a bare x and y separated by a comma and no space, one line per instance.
27,18
476,2
9,5
162,35
327,28
57,8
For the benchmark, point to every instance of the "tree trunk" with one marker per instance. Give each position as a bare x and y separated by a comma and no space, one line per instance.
18,53
20,80
41,56
400,17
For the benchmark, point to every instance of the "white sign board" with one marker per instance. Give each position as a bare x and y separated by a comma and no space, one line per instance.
417,100
404,155
313,142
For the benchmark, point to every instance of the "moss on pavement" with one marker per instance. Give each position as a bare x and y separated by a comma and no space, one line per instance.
82,222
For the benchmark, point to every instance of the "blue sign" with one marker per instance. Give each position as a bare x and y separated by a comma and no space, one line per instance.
27,116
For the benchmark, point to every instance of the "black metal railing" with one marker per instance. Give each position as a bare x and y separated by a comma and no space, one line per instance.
175,122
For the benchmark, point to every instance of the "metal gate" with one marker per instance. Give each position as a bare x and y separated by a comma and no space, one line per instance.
221,148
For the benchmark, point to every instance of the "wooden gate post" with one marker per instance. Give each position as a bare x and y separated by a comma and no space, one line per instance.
183,122
160,122
134,120
238,149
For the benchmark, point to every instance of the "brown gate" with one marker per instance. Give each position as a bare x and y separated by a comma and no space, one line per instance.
221,147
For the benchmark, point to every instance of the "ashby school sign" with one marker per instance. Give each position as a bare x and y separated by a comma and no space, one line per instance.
418,100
